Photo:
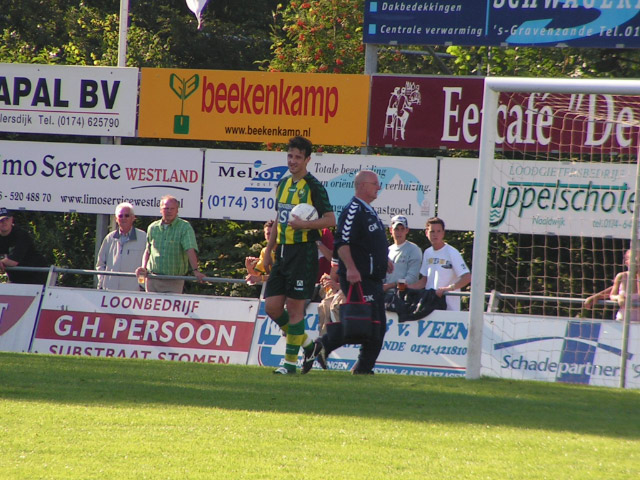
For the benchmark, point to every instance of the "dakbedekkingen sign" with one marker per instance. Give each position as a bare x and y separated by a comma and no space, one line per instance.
543,23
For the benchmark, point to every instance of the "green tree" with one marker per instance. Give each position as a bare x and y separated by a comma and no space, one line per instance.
162,33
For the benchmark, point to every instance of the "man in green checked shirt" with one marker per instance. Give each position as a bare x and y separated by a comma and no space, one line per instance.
171,250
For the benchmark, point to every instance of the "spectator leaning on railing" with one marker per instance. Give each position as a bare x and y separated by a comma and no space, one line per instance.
443,268
255,265
171,250
17,249
405,255
121,251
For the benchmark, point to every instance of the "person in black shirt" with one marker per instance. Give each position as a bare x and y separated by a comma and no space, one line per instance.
17,249
362,247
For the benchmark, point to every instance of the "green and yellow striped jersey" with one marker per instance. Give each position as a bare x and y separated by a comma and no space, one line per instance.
289,194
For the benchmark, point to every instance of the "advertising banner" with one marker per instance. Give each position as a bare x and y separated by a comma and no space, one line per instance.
241,184
68,100
253,106
558,198
19,305
542,23
435,346
558,350
65,177
186,328
426,112
445,112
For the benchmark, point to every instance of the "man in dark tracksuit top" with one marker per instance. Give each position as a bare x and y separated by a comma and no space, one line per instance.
362,246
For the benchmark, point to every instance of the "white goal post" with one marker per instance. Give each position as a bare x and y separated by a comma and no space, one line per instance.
493,88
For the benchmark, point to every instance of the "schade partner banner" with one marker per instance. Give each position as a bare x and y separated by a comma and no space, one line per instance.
241,185
68,100
253,106
185,328
559,350
64,177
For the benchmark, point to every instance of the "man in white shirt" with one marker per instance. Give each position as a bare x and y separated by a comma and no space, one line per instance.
443,268
406,256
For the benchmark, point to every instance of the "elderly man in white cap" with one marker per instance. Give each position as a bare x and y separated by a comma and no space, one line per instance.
405,255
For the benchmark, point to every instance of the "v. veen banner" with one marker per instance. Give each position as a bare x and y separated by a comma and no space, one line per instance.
253,106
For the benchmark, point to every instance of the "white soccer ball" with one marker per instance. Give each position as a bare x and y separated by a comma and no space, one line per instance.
305,211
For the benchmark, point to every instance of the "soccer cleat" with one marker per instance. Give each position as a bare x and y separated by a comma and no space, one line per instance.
317,352
284,371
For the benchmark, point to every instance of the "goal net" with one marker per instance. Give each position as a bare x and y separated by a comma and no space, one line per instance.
557,187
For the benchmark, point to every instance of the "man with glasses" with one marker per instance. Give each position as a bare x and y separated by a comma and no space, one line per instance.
171,250
121,251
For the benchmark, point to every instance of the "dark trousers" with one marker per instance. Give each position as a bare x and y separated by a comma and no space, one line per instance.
370,350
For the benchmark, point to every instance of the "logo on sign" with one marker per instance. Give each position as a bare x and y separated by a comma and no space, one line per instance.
183,89
576,362
401,104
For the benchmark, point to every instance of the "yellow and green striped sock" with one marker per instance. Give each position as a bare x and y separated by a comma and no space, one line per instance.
295,337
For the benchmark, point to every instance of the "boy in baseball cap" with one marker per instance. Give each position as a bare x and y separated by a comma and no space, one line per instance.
406,256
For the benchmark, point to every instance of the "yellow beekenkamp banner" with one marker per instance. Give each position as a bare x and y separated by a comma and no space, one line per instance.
253,106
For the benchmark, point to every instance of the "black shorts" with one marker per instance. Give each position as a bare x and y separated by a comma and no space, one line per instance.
294,272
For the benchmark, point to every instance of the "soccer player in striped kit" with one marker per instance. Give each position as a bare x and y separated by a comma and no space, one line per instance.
292,277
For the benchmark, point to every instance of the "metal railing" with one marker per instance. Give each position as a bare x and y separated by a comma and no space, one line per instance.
55,271
492,298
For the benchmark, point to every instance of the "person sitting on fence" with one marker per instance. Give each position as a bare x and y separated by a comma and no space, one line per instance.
405,255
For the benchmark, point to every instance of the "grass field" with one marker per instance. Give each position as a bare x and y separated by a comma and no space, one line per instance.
87,418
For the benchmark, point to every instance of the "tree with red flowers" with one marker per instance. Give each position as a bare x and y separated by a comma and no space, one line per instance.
318,36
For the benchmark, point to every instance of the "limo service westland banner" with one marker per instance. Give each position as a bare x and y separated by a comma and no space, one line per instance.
74,177
253,106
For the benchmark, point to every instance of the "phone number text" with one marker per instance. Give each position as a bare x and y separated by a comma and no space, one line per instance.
240,201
